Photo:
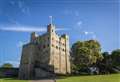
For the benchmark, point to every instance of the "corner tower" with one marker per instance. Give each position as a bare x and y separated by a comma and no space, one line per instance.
51,28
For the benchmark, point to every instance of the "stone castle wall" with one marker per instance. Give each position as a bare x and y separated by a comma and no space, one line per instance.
46,52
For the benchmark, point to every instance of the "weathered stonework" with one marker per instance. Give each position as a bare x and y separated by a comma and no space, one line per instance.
45,55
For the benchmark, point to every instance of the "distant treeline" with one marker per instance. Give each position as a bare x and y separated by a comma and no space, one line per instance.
8,72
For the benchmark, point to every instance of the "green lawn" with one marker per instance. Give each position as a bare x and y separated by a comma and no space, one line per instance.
12,80
95,78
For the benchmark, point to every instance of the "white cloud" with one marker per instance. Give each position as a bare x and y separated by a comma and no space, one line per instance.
28,29
23,7
92,34
26,10
50,17
23,29
61,29
71,12
86,32
13,21
79,23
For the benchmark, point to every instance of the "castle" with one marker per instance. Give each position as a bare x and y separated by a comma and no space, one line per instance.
45,55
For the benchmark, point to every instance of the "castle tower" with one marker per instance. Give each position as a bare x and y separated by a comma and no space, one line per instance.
51,28
45,54
59,51
51,33
67,52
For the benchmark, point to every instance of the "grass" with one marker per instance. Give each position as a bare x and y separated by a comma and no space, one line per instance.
94,78
12,80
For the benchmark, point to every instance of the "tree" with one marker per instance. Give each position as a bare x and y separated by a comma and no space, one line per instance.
86,53
95,48
7,65
105,65
115,55
110,63
105,54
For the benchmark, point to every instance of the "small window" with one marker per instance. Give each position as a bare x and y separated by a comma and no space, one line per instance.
59,42
25,62
52,38
56,47
52,30
52,45
43,46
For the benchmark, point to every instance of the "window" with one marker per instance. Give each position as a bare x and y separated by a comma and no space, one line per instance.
56,47
48,38
56,68
25,62
52,38
59,48
52,45
43,46
59,42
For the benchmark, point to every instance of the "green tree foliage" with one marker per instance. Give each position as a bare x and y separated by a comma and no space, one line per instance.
107,59
7,65
115,55
86,53
110,63
105,54
105,65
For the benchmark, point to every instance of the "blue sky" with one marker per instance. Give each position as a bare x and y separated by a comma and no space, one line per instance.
80,19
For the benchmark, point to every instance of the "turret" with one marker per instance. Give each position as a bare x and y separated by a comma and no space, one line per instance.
33,37
51,28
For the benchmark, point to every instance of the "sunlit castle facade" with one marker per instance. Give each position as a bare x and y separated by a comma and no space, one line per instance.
45,55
